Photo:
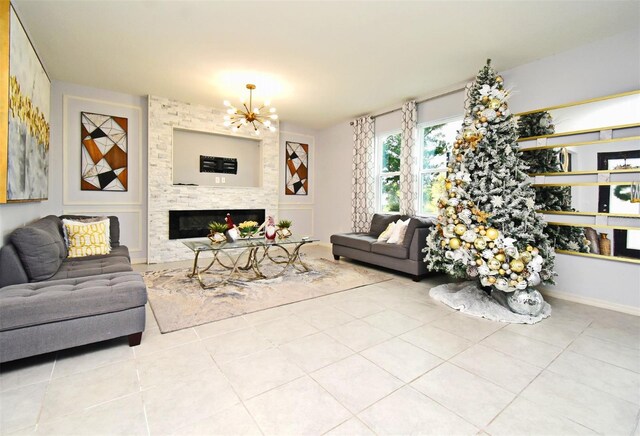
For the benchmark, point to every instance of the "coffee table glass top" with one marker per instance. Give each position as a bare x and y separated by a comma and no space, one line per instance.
205,244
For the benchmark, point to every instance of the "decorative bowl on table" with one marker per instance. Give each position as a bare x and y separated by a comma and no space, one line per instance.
216,232
248,229
284,230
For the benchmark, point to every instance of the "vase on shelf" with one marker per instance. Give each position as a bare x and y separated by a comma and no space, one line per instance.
605,245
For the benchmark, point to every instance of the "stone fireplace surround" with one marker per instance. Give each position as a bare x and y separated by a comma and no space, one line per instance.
164,116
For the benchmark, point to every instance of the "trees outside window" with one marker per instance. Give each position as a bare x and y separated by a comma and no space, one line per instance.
389,146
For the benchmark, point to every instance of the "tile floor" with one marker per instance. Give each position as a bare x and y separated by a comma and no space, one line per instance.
380,359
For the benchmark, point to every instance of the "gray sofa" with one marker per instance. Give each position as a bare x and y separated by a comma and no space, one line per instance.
49,302
406,257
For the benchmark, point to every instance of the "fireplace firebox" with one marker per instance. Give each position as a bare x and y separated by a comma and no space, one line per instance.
184,224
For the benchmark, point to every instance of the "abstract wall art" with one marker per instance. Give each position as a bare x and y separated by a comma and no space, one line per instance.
104,152
28,119
297,169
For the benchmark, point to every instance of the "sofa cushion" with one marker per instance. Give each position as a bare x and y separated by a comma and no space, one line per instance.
87,238
38,252
359,241
51,224
391,250
114,226
92,266
32,304
416,223
380,222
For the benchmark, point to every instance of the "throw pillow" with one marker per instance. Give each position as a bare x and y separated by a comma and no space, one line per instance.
38,252
399,230
384,236
87,239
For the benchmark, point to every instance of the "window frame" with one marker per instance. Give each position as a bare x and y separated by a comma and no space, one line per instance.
380,175
422,171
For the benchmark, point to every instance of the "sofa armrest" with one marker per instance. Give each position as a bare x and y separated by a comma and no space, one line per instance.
418,243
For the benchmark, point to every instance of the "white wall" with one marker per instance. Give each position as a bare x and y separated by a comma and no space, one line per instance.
300,209
67,101
601,68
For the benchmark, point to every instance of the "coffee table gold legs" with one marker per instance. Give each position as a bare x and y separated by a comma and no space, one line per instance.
232,265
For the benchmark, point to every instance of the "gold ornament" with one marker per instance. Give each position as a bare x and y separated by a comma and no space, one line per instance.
451,212
494,264
443,243
447,185
492,279
529,248
492,233
526,257
501,271
499,79
485,98
494,104
492,244
516,265
483,119
479,262
454,243
460,229
467,245
480,244
501,257
470,135
513,283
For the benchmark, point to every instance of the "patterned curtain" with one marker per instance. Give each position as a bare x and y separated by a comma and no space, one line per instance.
363,197
409,187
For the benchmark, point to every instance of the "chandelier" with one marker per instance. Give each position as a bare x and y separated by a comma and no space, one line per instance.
256,117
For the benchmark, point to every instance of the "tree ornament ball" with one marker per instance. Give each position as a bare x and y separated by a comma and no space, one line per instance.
495,104
494,264
460,229
451,212
492,279
529,248
479,262
467,245
483,232
485,98
492,233
501,271
480,243
535,252
501,257
526,257
454,243
443,243
483,119
516,265
499,79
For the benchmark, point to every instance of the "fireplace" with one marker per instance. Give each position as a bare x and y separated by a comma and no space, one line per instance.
185,224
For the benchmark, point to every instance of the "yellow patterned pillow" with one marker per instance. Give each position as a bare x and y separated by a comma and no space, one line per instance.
87,239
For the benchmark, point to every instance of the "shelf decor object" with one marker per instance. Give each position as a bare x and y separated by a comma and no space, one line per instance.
250,116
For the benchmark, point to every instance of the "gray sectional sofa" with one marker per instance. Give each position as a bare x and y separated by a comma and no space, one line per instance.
50,302
406,257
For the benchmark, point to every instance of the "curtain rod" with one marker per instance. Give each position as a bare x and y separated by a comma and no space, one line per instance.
453,91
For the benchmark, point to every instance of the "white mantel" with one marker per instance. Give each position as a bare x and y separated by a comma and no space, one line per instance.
164,116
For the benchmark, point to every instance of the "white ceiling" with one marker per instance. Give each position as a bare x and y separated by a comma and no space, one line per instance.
319,62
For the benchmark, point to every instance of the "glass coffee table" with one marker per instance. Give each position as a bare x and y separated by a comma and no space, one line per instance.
244,259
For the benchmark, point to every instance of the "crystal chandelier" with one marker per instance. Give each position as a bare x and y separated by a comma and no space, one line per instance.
255,117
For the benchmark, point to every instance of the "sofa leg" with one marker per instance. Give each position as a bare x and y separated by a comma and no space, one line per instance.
416,278
135,339
336,257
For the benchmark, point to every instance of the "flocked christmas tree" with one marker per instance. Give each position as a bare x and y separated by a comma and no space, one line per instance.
552,198
487,225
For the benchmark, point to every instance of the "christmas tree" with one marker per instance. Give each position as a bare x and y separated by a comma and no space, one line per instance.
487,225
556,198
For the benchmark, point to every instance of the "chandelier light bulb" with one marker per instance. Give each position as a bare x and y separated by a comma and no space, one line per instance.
227,103
243,120
231,111
227,123
274,117
256,110
267,103
273,129
257,132
272,110
267,123
227,118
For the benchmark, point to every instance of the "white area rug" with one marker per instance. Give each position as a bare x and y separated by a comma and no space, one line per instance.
468,298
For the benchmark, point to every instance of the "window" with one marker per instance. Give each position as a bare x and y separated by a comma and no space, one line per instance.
388,169
436,140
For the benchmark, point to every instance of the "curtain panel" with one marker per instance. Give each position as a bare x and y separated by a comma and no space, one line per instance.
409,159
363,197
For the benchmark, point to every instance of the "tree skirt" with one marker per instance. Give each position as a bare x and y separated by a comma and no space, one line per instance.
179,302
468,298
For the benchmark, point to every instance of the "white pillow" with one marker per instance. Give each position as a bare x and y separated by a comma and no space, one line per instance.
387,232
399,230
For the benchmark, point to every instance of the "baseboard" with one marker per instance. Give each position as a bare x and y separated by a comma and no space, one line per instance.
631,310
139,260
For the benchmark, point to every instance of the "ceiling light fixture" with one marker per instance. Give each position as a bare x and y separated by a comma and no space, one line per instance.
253,116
